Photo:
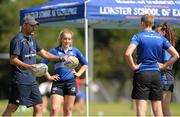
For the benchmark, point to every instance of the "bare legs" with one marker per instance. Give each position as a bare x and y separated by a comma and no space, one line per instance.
166,103
11,108
56,102
141,106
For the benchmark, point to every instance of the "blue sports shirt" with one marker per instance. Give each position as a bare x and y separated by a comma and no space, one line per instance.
166,56
25,48
150,45
59,68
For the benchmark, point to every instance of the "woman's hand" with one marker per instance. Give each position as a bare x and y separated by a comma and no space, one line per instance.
53,77
161,66
75,73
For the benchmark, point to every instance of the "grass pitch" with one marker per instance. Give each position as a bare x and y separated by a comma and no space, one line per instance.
97,109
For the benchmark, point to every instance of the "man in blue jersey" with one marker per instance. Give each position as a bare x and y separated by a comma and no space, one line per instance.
146,81
23,50
65,89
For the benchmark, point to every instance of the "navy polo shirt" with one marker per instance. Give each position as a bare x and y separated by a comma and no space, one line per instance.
25,48
59,68
150,47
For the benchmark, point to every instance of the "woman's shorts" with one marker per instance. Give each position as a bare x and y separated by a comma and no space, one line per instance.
167,80
67,87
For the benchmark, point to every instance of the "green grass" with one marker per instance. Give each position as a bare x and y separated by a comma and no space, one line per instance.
98,109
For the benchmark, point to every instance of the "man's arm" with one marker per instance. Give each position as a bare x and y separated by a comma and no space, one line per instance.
15,61
129,58
43,53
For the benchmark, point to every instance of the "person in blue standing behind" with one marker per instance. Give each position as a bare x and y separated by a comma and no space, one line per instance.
146,80
65,89
23,50
167,76
80,97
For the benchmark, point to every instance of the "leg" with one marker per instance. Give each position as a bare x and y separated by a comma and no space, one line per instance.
166,103
141,107
68,105
37,110
56,101
45,103
10,109
157,108
81,106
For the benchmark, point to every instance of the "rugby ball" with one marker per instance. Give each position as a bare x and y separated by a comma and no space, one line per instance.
40,70
71,62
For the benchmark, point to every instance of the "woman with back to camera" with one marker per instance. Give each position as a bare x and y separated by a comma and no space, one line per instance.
64,90
167,76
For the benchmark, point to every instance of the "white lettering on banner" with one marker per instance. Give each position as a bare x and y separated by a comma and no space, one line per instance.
53,13
159,2
176,12
147,2
115,10
126,1
142,11
64,12
165,12
43,14
33,14
177,2
133,11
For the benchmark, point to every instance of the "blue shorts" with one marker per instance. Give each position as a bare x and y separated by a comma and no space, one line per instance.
80,95
67,87
167,80
27,95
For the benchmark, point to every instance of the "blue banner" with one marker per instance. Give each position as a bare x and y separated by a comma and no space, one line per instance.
134,9
103,13
53,11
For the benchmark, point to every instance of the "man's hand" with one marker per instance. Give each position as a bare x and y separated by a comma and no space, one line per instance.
136,66
31,67
63,59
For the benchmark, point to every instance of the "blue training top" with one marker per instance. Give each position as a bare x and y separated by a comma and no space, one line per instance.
166,56
25,48
59,68
150,45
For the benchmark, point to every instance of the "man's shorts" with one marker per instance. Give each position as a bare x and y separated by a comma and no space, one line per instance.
167,80
147,86
27,95
67,87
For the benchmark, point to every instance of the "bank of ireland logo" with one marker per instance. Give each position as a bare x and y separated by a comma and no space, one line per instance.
17,101
73,89
54,89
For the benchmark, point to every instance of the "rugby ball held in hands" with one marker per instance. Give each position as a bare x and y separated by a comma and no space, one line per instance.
40,70
71,62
